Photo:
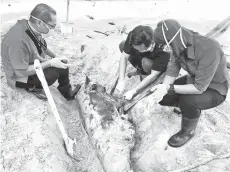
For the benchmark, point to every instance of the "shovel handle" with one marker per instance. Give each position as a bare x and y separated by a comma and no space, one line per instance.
114,86
67,12
39,71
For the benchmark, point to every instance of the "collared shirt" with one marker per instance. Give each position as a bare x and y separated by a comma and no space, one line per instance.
205,63
19,50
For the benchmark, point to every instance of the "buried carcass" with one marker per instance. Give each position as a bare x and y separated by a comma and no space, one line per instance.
111,134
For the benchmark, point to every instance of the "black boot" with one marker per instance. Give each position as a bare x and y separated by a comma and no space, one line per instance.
67,92
187,131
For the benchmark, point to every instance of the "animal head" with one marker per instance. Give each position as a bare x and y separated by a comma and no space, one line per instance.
93,87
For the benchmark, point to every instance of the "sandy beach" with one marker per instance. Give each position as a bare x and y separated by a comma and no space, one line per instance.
29,137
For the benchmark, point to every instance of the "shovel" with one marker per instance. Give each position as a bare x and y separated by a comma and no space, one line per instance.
114,85
69,143
67,27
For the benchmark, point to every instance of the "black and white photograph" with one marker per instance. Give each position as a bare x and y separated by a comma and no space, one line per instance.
115,86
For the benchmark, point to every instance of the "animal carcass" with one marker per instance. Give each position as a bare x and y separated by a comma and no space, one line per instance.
111,134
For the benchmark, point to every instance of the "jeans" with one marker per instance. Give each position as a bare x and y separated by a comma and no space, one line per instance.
192,104
51,74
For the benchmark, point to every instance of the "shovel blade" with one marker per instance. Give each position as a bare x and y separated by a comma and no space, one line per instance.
66,27
69,143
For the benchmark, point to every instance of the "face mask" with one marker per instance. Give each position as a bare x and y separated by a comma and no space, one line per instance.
50,28
50,33
150,48
169,49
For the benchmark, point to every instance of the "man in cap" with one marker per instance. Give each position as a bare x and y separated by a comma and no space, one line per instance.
24,43
206,84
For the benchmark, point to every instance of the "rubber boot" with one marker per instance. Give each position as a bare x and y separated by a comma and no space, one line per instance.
67,92
187,131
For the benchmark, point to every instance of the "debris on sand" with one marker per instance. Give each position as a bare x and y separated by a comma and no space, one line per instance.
111,23
90,17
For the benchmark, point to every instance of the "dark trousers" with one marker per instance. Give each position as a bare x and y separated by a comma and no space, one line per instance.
192,104
51,74
142,64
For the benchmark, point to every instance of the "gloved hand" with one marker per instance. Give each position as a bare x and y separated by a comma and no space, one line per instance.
159,91
59,62
120,86
129,95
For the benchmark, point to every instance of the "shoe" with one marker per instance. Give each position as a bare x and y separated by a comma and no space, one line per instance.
187,131
38,92
67,92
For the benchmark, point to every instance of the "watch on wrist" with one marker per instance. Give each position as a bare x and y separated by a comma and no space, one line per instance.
171,89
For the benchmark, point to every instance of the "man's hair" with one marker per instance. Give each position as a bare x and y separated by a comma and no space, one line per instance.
141,34
42,12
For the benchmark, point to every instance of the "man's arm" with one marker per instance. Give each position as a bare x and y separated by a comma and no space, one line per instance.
180,89
159,65
205,72
187,89
50,53
169,80
61,63
148,80
172,71
19,58
123,66
30,70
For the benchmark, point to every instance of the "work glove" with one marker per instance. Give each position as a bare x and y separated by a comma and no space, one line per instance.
120,86
59,62
159,91
129,95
